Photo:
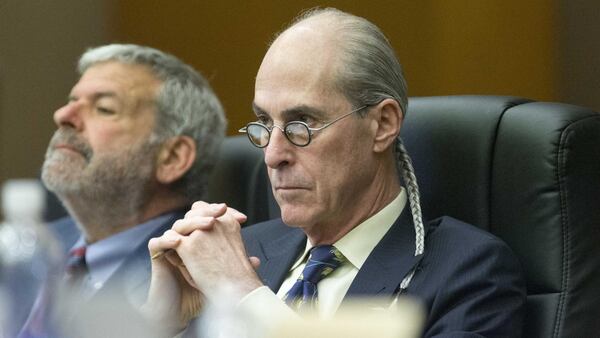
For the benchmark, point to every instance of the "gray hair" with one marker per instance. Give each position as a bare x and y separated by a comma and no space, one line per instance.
368,73
186,105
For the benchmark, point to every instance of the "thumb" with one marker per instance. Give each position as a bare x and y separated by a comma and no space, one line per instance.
164,291
254,261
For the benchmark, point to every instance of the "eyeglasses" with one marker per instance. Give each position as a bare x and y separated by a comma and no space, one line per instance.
297,132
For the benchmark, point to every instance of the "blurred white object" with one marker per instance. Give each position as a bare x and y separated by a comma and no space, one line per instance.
224,319
23,199
404,317
358,318
30,258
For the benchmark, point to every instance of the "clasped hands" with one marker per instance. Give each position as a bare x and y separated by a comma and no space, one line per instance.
194,260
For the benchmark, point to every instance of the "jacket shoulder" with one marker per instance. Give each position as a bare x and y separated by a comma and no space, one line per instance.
470,281
448,229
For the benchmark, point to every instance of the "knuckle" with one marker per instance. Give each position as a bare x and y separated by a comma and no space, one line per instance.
198,204
177,223
170,233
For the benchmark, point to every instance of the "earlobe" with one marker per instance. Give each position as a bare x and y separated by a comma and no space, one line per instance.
390,117
175,158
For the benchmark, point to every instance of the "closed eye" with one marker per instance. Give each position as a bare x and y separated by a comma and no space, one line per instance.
105,110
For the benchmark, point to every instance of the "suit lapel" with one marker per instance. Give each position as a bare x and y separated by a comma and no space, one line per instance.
278,257
381,274
389,262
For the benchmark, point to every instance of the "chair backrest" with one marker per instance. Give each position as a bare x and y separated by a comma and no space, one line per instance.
529,172
240,180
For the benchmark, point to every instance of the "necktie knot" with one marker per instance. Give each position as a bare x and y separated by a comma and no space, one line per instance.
323,260
76,264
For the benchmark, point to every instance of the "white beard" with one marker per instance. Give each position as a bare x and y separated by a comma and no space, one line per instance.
100,189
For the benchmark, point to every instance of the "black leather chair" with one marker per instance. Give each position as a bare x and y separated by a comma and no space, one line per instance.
240,180
526,171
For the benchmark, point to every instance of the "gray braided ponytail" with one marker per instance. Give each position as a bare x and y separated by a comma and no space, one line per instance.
410,182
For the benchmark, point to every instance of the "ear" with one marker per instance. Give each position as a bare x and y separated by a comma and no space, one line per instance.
175,158
388,115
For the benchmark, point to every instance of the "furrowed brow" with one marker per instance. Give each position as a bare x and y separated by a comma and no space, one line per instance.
293,113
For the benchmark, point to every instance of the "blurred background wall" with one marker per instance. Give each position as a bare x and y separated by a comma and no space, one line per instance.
540,49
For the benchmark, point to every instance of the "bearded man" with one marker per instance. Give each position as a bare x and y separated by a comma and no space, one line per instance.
134,147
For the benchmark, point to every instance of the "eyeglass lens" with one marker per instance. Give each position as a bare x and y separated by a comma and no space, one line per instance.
258,134
295,132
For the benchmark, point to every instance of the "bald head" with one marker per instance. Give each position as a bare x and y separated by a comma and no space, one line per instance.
305,55
358,58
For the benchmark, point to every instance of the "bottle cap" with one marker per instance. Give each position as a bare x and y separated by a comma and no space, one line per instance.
23,199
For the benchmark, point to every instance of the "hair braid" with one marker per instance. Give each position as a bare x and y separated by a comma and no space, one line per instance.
410,181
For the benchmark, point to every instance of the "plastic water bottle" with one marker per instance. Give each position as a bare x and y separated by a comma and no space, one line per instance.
30,257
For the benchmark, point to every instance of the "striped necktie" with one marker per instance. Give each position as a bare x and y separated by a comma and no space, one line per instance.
323,260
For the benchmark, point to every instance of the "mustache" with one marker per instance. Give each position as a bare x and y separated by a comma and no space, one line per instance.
70,138
287,181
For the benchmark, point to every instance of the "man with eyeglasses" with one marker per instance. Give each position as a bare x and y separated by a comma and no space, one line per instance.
297,132
329,101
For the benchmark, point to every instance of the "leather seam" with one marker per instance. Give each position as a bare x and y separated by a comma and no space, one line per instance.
560,169
566,269
510,103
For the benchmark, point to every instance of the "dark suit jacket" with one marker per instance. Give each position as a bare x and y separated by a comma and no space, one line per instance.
469,281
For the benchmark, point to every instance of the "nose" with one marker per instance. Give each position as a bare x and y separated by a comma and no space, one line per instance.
279,152
69,116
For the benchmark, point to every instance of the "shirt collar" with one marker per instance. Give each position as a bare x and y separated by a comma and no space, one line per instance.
104,257
357,244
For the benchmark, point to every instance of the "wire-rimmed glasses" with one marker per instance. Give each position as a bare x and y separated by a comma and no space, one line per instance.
297,132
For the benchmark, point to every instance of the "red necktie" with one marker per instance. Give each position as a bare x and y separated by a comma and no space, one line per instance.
76,266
